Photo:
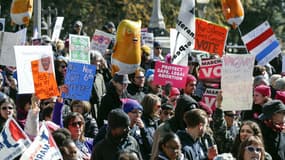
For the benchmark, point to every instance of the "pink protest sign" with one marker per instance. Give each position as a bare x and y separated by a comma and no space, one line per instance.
170,73
210,69
209,97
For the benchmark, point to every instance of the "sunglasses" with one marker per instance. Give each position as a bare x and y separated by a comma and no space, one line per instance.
63,66
7,107
158,48
74,124
253,149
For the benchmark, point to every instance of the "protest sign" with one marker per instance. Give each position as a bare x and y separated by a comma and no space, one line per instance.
210,37
179,48
236,81
79,80
44,79
262,43
165,73
210,69
7,42
13,140
22,34
2,24
147,39
24,56
57,28
79,47
43,147
209,97
101,40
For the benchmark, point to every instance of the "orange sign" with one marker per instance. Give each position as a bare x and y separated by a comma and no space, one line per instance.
44,79
210,37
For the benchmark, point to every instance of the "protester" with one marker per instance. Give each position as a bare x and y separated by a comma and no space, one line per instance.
111,99
84,108
170,148
272,126
117,138
78,28
136,88
167,112
7,109
157,53
196,123
252,148
75,123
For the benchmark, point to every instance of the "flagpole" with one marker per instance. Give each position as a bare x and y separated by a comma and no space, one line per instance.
242,41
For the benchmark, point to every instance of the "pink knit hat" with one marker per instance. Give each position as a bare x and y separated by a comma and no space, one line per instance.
280,95
264,90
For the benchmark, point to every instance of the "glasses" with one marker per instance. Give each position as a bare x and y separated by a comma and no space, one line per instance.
140,77
74,124
63,66
253,149
158,48
7,107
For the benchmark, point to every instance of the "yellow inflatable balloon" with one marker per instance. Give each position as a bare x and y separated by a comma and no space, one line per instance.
21,11
233,12
127,50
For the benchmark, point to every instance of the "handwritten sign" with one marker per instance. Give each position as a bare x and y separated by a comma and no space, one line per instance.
101,40
79,80
170,73
236,82
79,47
57,28
7,42
210,37
24,56
209,97
44,79
210,69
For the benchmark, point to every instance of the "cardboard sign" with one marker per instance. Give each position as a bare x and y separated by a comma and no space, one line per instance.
210,69
210,37
44,79
79,80
24,56
101,40
236,82
169,73
209,97
79,47
7,42
57,28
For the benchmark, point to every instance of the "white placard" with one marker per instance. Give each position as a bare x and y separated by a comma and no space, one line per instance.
57,28
7,42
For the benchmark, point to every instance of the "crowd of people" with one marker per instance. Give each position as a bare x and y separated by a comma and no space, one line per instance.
131,117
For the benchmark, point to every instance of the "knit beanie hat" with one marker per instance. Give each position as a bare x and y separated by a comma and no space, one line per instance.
118,118
131,104
281,96
264,90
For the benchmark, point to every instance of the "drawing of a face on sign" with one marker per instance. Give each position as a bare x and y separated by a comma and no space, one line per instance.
45,64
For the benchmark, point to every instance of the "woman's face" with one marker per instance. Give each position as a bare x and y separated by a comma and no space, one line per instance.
62,68
6,110
156,108
252,152
258,98
135,115
172,149
75,127
245,132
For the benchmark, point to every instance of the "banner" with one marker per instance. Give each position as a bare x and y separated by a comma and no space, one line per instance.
101,40
13,140
262,43
236,82
43,147
209,97
169,73
79,80
210,69
44,78
79,47
57,28
24,56
7,42
2,24
210,37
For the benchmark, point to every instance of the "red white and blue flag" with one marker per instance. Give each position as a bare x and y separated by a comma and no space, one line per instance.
262,43
13,140
43,147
